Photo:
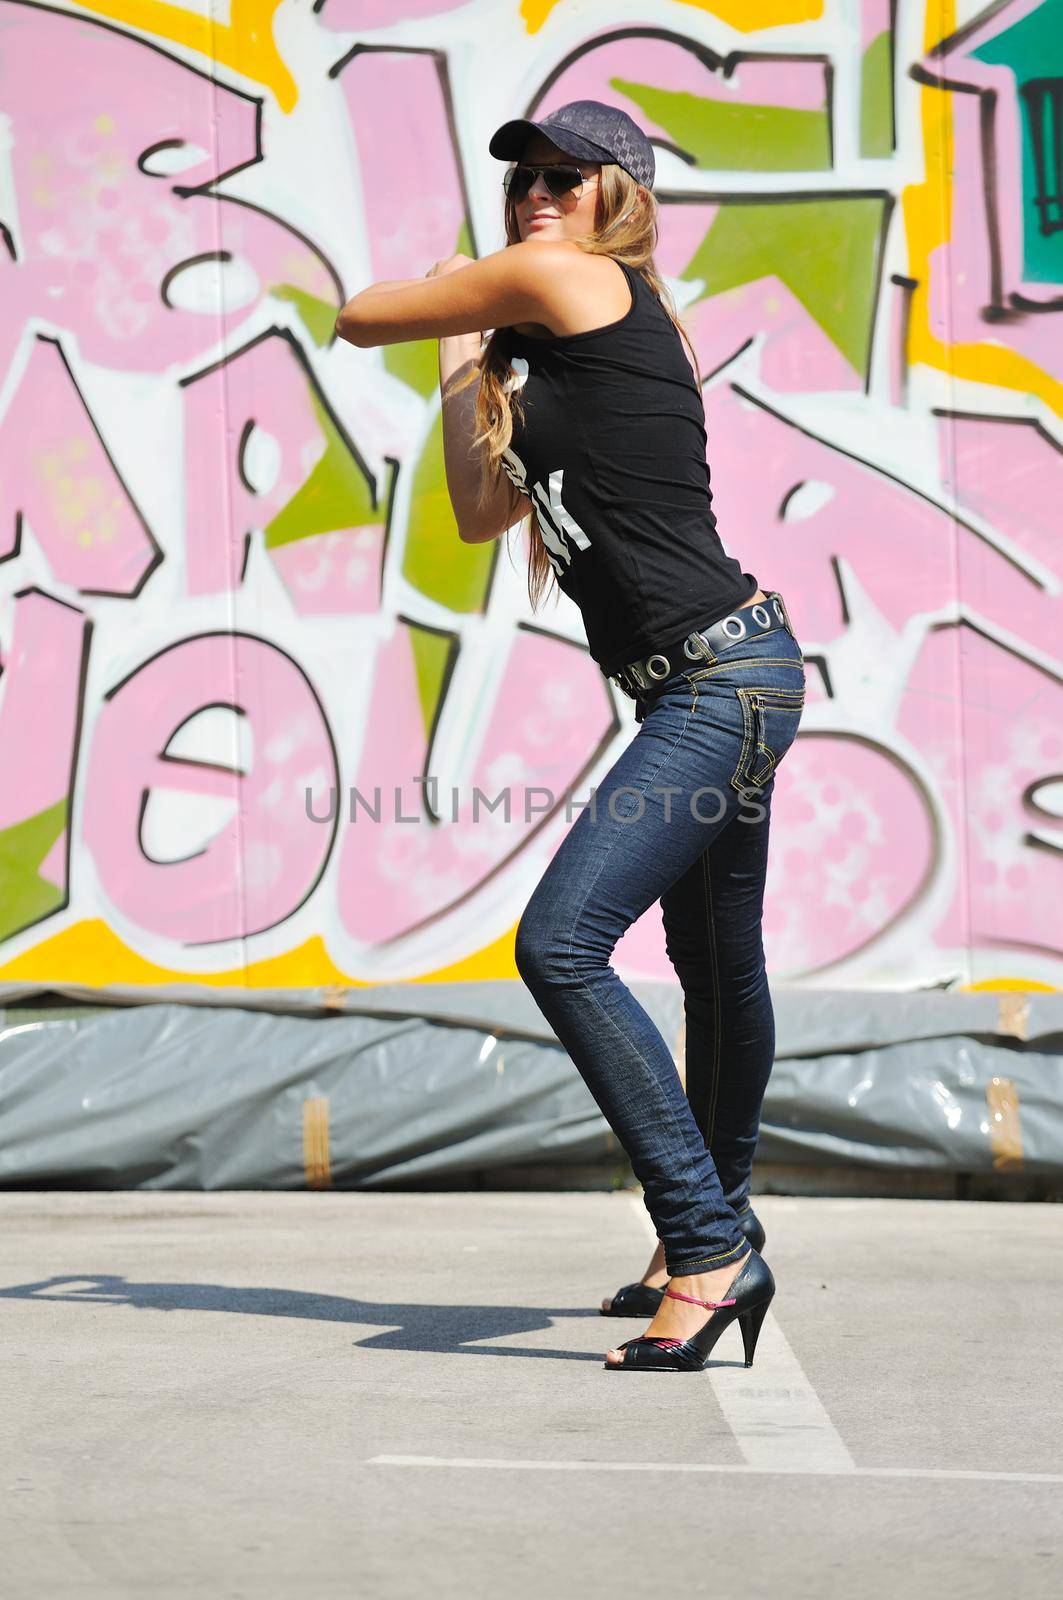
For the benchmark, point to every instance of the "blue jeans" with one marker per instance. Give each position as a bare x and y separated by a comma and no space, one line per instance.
681,817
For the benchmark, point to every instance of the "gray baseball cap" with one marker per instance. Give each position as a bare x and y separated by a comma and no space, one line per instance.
588,130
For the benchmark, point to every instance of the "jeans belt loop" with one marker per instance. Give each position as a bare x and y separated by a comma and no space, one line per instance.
700,647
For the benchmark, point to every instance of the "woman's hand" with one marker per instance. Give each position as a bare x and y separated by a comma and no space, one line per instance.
450,264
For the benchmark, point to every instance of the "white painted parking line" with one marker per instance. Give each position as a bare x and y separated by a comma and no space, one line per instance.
494,1463
778,1421
776,1416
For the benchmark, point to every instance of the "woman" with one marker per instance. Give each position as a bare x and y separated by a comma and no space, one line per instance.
583,411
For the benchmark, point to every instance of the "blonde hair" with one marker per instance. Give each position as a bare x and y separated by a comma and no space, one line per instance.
626,229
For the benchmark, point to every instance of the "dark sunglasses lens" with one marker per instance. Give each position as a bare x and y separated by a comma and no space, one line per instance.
560,180
517,182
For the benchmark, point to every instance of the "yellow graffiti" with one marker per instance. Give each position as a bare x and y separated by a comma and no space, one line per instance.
494,960
746,16
939,20
1005,986
245,43
91,954
927,208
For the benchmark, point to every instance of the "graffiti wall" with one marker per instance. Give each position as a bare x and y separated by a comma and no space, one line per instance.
233,602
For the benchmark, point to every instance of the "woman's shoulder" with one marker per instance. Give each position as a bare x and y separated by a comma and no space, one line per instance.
593,289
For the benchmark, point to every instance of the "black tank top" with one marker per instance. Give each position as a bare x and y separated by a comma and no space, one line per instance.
613,454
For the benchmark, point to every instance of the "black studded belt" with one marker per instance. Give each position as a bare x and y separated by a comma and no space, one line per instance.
654,670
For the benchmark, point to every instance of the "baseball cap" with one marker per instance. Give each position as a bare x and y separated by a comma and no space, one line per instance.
586,129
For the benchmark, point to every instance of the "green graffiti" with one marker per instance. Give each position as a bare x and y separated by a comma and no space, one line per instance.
877,130
432,653
825,251
335,495
1033,51
736,138
435,561
25,897
319,316
416,361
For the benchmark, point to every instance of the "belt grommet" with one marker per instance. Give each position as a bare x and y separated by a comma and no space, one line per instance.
730,632
778,610
691,655
662,674
762,616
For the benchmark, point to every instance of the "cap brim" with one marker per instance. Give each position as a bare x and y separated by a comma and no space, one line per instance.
508,141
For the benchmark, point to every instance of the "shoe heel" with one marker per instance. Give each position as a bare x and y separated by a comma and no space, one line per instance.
750,1322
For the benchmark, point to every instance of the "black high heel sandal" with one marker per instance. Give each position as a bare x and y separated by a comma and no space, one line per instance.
751,1295
642,1300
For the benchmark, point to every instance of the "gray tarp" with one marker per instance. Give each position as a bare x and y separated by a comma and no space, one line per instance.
177,1088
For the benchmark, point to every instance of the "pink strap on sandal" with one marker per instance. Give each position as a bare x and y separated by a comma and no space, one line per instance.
712,1304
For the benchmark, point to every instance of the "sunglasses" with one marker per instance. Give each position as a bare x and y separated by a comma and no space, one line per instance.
560,180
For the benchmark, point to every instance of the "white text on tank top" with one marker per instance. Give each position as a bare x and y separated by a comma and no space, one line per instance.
556,524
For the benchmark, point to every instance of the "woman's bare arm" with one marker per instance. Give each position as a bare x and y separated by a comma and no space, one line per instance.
463,465
519,283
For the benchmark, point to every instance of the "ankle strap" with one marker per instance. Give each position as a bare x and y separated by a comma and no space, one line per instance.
710,1303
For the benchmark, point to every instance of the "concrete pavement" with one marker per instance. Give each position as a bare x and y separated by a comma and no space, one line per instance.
271,1395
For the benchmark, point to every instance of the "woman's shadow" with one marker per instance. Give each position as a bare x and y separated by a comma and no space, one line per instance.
452,1330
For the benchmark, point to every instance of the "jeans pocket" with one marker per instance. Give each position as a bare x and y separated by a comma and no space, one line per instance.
771,717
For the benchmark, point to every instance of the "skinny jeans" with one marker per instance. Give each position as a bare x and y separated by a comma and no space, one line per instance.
682,817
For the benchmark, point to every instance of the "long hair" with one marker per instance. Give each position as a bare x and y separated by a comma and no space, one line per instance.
625,227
